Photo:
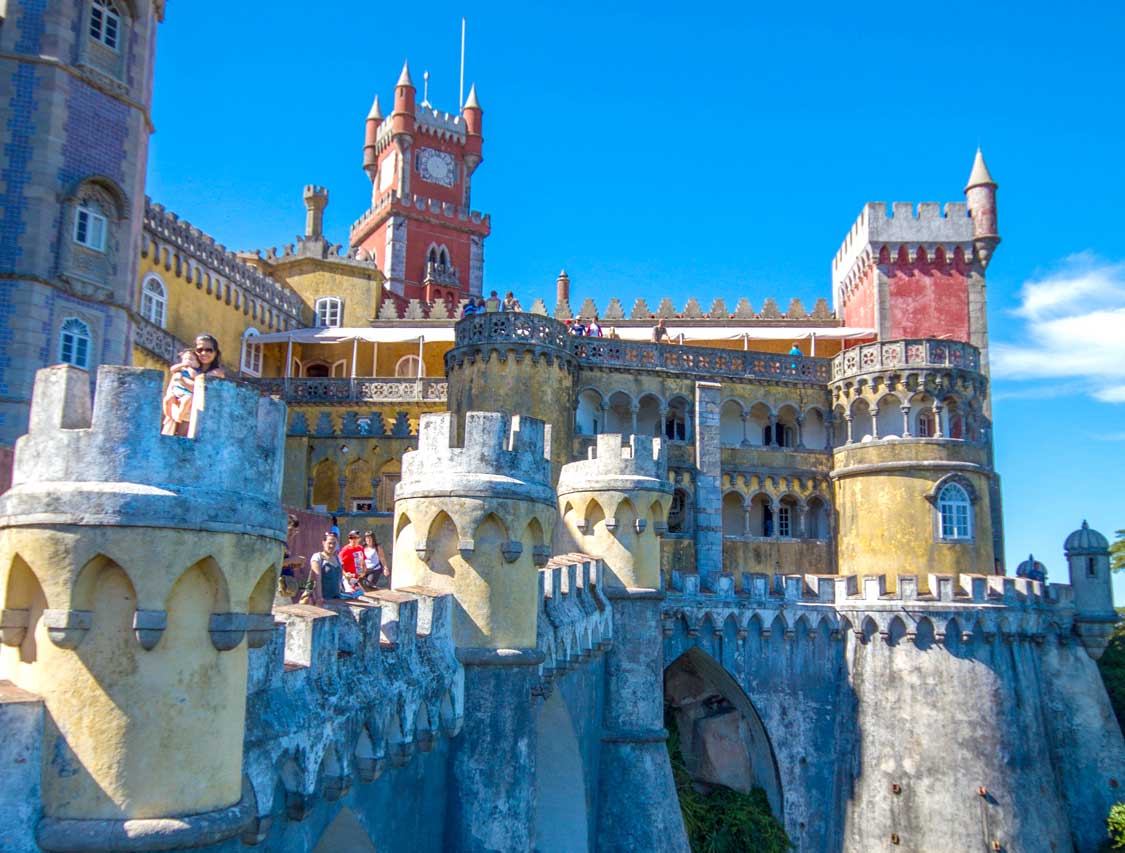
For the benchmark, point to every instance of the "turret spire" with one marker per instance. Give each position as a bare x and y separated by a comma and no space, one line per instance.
471,102
376,114
404,77
980,176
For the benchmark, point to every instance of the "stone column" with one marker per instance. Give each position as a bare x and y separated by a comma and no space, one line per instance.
746,520
637,804
939,429
633,413
802,527
343,483
375,494
775,518
745,431
492,800
905,421
848,419
800,432
773,431
708,484
309,493
605,416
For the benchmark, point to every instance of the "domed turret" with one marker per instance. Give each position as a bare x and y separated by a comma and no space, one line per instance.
1031,569
1087,556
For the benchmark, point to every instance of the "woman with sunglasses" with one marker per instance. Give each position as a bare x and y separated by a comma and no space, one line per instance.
181,406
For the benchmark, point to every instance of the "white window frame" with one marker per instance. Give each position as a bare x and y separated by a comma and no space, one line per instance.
75,343
251,354
105,24
417,367
329,311
154,300
90,226
954,514
785,521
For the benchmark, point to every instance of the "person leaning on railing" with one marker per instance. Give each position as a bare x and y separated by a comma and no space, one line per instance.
185,397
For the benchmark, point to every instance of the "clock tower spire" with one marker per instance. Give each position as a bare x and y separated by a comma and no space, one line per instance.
420,227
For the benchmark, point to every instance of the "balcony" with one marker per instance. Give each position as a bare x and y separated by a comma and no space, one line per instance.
441,274
359,390
910,354
482,331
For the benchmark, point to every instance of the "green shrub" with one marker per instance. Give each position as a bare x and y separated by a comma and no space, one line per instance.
724,821
1115,826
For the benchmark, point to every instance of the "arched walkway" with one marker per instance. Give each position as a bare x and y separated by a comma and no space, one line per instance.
721,735
560,820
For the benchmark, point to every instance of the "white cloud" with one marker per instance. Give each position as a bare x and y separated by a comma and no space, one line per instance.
1074,329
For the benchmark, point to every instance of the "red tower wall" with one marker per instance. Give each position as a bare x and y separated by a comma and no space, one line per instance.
928,299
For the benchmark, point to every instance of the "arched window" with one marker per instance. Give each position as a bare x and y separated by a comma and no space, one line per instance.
329,311
956,512
90,226
409,367
74,343
925,424
251,354
675,421
678,512
105,23
432,256
154,300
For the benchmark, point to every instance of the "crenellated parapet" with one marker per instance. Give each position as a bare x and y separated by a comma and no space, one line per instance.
341,696
927,230
475,517
575,618
957,610
615,505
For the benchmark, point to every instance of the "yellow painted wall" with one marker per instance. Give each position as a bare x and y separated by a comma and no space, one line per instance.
360,289
885,523
495,600
632,558
111,705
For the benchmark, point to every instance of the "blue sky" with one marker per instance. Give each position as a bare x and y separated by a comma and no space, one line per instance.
724,153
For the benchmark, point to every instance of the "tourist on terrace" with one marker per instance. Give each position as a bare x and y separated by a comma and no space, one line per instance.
185,396
352,560
659,333
511,303
289,582
470,308
492,303
594,330
613,336
325,573
375,562
795,349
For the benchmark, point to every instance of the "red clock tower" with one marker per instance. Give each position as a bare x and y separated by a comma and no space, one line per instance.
420,229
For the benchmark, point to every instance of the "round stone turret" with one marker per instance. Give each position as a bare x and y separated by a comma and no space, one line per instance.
615,504
1087,557
133,566
476,520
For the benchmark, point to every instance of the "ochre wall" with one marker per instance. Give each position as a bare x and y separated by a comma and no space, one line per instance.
885,525
110,703
360,289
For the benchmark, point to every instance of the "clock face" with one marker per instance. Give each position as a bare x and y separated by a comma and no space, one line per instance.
437,167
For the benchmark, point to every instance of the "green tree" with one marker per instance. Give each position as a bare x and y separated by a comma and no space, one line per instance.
1117,552
1115,826
1112,666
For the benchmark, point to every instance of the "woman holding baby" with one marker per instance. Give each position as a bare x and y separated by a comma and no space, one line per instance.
182,399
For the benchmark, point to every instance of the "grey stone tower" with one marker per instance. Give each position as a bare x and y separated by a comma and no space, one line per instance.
1087,557
75,87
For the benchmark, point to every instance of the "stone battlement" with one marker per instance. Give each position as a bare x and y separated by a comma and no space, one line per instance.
499,454
642,463
575,617
1012,607
109,464
472,220
928,226
344,692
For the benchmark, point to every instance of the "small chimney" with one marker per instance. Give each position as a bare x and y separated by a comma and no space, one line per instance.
562,288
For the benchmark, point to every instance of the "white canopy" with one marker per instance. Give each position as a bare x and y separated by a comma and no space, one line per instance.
340,334
738,333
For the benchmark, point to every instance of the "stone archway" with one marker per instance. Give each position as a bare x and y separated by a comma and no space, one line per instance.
561,821
721,735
